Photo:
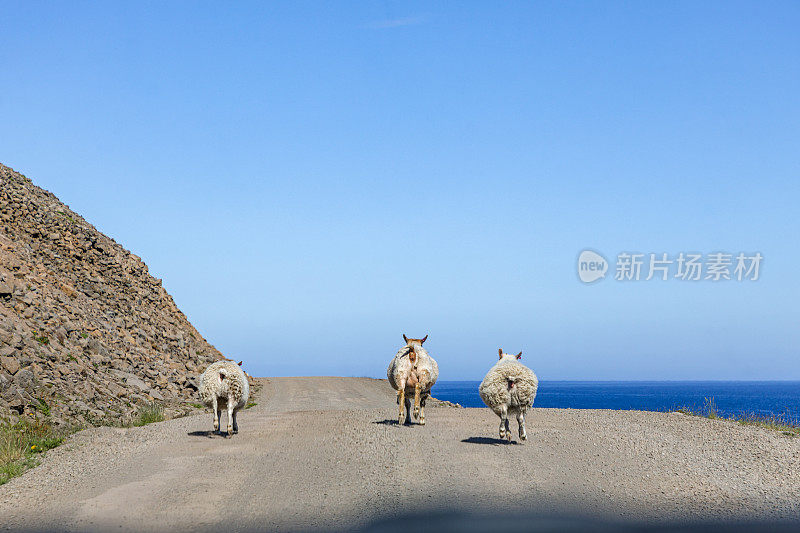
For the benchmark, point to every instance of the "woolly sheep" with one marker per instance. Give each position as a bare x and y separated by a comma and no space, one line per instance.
412,371
509,388
224,384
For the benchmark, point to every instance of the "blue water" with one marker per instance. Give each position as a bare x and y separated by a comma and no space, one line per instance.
763,398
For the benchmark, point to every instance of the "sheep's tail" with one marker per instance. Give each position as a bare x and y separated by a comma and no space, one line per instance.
513,391
412,353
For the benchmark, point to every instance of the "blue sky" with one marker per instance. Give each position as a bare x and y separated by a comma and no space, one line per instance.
313,180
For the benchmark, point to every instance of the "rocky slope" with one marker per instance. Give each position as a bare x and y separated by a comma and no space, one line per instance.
86,333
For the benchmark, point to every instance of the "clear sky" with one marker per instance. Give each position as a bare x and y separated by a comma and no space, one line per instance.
312,180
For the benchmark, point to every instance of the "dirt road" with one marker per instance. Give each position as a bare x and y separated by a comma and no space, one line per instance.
326,453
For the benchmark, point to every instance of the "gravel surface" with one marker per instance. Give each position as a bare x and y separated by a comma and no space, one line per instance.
327,453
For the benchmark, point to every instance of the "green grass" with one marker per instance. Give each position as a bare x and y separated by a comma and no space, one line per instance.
65,215
250,404
20,444
43,407
775,423
148,414
41,339
785,424
711,408
145,414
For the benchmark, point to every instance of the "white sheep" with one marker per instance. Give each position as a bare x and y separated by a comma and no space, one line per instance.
412,371
224,384
509,388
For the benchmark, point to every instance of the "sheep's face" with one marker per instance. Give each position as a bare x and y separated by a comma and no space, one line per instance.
508,356
411,342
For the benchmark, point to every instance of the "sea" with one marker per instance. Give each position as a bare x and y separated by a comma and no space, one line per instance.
779,399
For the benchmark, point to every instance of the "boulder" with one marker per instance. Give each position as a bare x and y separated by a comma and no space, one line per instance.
24,379
5,290
10,364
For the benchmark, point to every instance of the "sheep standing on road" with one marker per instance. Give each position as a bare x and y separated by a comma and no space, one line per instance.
509,388
412,371
224,384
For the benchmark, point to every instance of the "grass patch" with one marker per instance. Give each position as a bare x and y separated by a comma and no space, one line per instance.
65,215
250,404
708,410
711,408
20,443
43,407
149,413
786,424
788,427
41,339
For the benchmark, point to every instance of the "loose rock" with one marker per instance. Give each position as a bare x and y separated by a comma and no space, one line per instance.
84,328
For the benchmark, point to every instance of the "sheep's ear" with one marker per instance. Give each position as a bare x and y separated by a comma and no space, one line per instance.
500,352
240,363
519,355
405,338
423,339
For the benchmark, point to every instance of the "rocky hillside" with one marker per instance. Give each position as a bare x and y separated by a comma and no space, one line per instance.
86,333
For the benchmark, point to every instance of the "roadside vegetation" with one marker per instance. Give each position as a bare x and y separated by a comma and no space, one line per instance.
21,443
148,414
785,424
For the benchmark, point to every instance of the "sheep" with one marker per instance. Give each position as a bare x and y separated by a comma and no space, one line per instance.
412,371
509,388
224,384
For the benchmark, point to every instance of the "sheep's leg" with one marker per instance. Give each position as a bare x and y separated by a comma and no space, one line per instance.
235,425
401,400
508,429
503,419
416,400
408,411
422,411
216,414
521,422
231,404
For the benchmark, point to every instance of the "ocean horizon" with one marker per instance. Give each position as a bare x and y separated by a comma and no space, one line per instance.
729,398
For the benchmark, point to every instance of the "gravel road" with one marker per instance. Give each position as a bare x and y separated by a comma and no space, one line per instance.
326,453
